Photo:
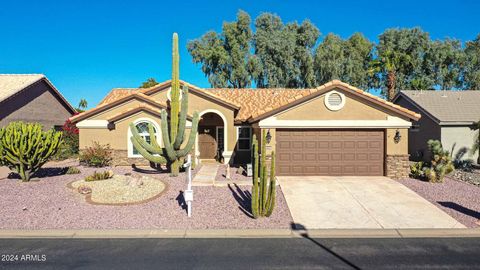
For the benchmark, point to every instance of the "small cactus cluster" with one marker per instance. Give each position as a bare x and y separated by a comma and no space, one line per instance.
264,185
25,147
441,163
96,176
172,126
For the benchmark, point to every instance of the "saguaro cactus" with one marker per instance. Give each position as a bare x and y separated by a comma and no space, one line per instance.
172,126
25,147
264,186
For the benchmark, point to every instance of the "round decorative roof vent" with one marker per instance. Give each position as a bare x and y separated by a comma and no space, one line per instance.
334,100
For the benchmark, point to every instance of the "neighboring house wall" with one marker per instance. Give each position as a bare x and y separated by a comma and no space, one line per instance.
423,130
455,138
36,103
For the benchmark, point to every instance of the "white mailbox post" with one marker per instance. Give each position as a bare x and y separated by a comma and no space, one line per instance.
188,194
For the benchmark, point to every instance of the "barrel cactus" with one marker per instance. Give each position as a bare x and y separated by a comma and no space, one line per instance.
264,185
25,147
173,126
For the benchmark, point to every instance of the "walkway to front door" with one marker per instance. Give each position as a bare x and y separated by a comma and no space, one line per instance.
206,175
355,202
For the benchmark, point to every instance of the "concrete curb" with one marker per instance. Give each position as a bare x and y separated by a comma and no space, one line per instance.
241,233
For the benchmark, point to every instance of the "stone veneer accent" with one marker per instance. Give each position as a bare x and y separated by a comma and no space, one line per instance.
120,158
397,166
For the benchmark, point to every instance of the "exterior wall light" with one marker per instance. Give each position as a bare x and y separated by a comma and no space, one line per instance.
397,136
268,137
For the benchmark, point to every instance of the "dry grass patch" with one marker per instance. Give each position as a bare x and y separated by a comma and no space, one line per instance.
121,190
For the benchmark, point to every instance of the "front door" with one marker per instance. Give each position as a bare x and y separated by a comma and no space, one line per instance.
206,142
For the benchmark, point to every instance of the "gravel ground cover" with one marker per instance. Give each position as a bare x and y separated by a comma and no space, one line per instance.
458,199
236,175
47,203
472,177
118,190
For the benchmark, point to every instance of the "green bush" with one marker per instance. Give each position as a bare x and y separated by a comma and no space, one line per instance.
441,163
96,155
25,147
73,170
416,170
69,147
96,176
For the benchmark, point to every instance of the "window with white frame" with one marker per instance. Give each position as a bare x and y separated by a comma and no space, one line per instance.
244,135
142,128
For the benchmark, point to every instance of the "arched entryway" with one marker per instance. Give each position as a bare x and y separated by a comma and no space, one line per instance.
211,136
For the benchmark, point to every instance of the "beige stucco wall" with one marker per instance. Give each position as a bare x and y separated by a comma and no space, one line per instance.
456,138
117,137
315,109
201,105
400,148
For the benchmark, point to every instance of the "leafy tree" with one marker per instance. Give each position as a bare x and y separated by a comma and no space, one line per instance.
472,69
329,58
444,62
149,83
285,52
400,61
346,60
225,58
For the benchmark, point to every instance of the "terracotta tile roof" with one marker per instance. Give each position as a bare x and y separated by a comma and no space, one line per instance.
117,93
257,103
116,100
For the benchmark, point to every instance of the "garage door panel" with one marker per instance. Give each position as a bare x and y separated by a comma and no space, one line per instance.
327,152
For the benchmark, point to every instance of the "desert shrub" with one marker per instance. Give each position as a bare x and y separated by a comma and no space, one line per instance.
96,176
441,163
96,155
73,170
460,163
416,170
25,147
69,147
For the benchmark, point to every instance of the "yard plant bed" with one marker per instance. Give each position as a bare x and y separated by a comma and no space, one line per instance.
118,190
458,199
472,177
49,204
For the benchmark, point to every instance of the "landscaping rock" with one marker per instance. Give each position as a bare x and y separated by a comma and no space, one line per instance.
472,177
84,190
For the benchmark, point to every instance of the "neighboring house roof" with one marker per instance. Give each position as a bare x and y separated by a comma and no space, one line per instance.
13,84
446,107
256,104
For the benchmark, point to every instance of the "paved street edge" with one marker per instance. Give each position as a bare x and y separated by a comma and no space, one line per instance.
242,233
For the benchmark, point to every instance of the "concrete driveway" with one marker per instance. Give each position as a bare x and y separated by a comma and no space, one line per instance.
319,202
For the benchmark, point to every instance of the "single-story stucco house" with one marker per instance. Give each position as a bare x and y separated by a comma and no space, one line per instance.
32,98
447,116
334,129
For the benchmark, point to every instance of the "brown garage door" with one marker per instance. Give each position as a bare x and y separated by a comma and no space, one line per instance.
329,152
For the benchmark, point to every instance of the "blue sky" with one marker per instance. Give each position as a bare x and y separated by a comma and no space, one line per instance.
86,48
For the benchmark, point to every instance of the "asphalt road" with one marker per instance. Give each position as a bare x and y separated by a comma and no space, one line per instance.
283,253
